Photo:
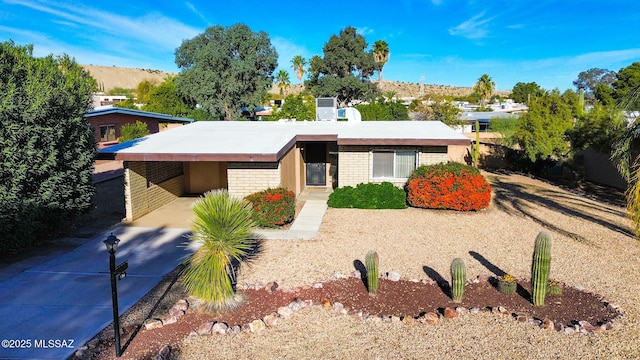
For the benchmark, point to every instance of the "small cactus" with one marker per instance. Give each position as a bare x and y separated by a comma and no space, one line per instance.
554,288
458,279
371,263
507,284
540,266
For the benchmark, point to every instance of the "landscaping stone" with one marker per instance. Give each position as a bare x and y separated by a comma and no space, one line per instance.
177,313
285,312
271,319
449,313
219,328
164,353
151,324
271,287
205,328
393,275
431,318
181,304
169,320
257,326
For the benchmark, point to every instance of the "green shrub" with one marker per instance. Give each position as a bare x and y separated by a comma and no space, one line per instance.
273,207
133,131
369,196
452,186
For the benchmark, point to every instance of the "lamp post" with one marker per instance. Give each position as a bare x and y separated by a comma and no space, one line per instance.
112,245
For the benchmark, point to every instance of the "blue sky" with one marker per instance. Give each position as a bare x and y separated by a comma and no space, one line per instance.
445,42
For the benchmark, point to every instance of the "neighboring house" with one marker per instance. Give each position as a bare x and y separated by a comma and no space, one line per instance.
108,121
245,157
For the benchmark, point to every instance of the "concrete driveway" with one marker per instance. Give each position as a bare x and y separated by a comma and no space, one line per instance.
50,310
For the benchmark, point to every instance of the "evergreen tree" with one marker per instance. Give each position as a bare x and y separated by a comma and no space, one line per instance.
48,146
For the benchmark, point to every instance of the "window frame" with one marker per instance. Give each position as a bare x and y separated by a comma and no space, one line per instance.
107,132
395,164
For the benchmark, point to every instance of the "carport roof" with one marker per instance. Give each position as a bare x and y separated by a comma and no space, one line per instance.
244,141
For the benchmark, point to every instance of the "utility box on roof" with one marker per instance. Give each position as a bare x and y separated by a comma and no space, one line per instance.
327,109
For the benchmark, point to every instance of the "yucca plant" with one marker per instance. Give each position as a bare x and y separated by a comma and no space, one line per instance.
224,226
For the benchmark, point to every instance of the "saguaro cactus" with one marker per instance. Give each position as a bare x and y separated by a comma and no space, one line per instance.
458,279
540,266
371,263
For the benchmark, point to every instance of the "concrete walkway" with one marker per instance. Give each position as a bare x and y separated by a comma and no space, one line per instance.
51,309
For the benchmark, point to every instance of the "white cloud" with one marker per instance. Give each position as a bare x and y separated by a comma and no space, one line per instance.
474,28
365,31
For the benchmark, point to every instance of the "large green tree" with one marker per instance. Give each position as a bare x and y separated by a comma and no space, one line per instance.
296,107
541,130
47,146
165,99
628,79
226,68
588,81
344,70
597,128
523,92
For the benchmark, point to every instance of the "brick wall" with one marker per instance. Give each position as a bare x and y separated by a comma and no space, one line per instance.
430,155
142,196
353,165
247,178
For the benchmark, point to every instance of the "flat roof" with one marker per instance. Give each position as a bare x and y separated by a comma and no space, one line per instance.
267,141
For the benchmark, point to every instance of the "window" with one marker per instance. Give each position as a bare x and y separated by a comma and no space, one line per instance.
393,164
107,133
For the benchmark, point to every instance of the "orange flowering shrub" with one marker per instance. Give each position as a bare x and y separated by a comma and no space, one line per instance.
273,207
452,186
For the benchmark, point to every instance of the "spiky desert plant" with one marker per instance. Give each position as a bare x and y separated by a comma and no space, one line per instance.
540,266
224,226
507,284
371,263
554,288
458,279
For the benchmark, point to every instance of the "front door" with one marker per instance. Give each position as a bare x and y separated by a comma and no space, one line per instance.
316,164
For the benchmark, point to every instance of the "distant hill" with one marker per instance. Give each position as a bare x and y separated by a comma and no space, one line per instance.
109,77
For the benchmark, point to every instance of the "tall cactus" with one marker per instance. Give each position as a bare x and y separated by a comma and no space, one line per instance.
540,266
458,279
371,263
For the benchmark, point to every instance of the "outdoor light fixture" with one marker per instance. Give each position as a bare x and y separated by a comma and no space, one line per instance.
116,272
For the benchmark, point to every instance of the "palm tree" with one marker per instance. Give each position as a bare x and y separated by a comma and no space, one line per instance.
484,88
224,226
282,79
298,63
381,55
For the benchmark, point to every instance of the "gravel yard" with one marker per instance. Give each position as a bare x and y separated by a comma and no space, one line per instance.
593,248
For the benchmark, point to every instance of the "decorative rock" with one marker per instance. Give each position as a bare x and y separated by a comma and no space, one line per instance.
483,278
177,313
236,330
449,313
356,274
182,304
461,310
395,319
535,322
338,275
93,343
547,324
219,328
558,327
503,311
271,319
79,353
474,311
246,328
285,312
297,305
522,318
164,353
338,307
587,326
317,286
169,320
256,326
431,318
271,287
326,303
408,320
568,330
150,324
205,329
393,275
